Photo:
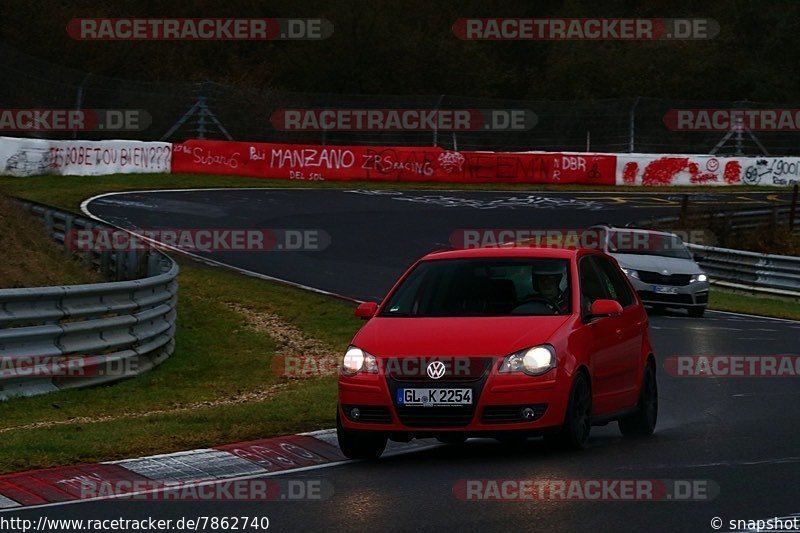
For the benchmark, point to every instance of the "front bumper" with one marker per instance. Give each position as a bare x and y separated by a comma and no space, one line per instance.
501,403
691,295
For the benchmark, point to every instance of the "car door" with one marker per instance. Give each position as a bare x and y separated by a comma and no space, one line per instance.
601,339
629,330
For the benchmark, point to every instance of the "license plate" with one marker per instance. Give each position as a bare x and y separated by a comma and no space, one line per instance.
661,289
434,397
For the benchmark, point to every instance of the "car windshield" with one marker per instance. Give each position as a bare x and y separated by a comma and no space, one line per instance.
647,243
483,287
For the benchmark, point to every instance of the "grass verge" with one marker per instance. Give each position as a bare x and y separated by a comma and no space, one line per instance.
25,242
736,302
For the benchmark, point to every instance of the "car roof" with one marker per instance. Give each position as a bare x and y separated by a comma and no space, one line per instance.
634,229
511,251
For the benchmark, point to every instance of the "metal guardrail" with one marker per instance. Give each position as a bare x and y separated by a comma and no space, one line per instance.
733,220
109,331
774,274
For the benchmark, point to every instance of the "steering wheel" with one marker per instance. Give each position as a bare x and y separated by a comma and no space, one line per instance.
540,299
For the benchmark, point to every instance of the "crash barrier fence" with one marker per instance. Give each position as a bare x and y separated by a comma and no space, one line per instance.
764,273
730,221
61,337
29,157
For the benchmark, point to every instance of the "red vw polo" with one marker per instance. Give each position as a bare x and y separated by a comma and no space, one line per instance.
499,342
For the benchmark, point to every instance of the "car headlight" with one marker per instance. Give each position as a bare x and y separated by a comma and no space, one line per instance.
357,360
533,361
698,277
630,272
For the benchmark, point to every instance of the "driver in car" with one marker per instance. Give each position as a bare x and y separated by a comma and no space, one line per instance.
547,282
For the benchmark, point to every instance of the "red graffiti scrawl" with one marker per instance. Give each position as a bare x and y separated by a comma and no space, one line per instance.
629,172
733,172
664,170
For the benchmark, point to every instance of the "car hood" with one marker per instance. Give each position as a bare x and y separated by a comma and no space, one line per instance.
467,336
654,263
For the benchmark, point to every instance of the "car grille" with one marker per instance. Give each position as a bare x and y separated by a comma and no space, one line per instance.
370,414
509,414
649,296
676,280
428,417
457,369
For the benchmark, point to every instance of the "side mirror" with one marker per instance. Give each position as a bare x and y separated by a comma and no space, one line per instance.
367,310
604,308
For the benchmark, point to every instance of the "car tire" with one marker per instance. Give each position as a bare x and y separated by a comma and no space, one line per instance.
696,311
642,423
574,435
359,444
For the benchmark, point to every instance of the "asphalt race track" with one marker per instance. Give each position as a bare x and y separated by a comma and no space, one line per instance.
739,435
375,235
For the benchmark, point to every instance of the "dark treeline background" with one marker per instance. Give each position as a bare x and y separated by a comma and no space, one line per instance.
396,47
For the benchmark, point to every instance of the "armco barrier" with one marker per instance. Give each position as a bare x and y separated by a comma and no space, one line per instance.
30,157
117,329
732,221
775,274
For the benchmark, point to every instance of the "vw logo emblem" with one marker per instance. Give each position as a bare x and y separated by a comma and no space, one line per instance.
435,370
665,272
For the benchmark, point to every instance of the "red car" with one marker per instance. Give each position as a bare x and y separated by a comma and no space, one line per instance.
499,342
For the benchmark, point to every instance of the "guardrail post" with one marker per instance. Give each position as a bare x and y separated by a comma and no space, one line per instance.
119,265
793,210
153,264
684,209
105,265
133,265
68,237
48,222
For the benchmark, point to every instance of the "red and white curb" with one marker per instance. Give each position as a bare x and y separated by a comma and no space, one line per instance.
259,458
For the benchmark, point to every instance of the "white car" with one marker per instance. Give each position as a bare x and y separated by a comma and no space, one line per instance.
660,267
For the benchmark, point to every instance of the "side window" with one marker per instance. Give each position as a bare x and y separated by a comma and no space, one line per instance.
614,282
592,287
